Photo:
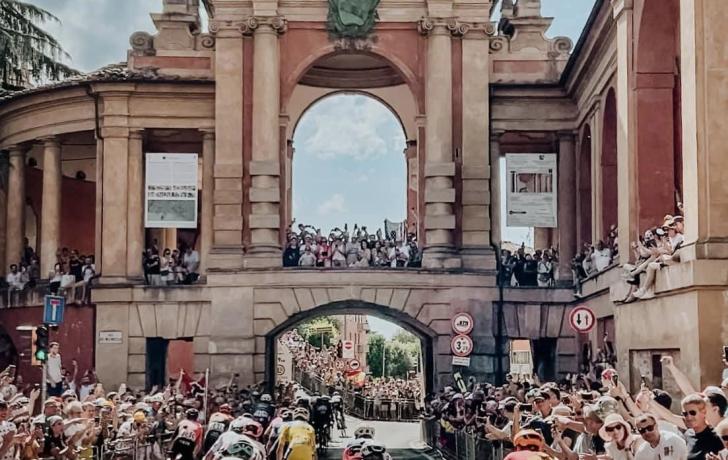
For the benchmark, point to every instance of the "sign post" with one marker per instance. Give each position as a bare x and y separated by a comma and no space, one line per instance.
582,319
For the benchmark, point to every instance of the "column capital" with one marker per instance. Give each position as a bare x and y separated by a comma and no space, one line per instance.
455,27
49,141
264,25
496,134
136,133
619,7
15,150
207,133
566,135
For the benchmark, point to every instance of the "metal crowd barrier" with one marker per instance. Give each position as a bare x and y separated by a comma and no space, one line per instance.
460,444
361,406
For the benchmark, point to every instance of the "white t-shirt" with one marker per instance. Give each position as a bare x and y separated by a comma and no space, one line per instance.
670,447
601,258
5,428
15,280
616,453
678,239
54,369
191,261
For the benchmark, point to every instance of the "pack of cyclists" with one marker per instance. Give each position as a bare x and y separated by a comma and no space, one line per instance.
294,431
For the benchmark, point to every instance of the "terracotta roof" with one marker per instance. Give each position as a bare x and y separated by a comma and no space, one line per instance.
109,73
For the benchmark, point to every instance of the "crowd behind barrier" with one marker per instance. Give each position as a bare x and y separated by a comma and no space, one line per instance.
463,445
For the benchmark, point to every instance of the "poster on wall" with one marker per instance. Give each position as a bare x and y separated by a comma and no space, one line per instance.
170,190
531,190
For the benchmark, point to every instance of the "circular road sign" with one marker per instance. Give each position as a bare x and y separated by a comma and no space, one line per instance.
462,323
582,319
354,365
461,345
340,365
348,344
280,370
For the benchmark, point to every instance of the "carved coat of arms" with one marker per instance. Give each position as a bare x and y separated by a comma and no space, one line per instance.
352,18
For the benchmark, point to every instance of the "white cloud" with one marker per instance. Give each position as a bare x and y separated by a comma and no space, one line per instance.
335,204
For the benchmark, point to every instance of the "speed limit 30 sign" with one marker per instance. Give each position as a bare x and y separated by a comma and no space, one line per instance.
461,345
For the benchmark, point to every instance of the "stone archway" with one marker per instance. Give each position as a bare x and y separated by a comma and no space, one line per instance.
351,307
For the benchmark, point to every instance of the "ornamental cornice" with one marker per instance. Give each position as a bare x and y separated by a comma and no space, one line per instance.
455,27
248,26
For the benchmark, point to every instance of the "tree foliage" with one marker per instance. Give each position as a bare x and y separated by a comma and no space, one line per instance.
399,359
308,331
27,52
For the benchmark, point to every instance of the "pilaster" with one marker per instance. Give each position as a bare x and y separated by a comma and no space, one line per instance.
50,223
15,223
135,204
566,204
208,202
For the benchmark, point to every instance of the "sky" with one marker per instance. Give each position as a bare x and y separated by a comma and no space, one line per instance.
348,166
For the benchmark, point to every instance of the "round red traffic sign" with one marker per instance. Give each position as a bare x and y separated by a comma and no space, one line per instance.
340,365
461,345
582,319
462,323
354,365
348,344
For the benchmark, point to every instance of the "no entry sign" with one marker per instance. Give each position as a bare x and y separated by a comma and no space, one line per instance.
462,323
582,319
347,351
461,345
354,365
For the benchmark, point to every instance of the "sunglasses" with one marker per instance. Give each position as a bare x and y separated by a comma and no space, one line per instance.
609,429
724,438
691,413
646,429
529,447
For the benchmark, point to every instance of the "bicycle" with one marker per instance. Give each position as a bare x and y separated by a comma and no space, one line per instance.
341,423
322,439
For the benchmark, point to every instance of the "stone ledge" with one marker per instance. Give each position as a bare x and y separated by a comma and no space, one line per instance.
439,169
265,195
440,195
228,170
446,222
265,168
265,221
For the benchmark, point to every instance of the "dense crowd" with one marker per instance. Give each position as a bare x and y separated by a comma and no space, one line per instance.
587,417
72,276
657,248
321,363
173,266
521,268
309,247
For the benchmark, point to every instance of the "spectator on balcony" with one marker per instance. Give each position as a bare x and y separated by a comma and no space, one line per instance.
89,274
338,257
152,265
14,278
33,271
352,249
55,277
28,252
668,254
292,253
601,257
191,263
401,255
307,259
323,254
545,271
164,267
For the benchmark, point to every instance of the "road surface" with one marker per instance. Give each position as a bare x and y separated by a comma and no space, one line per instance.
402,440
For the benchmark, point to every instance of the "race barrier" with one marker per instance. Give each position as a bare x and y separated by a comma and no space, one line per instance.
460,444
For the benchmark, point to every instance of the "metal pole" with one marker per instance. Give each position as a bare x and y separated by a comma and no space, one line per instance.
43,385
384,360
207,385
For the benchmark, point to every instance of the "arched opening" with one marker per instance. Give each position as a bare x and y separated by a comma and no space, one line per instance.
658,130
352,309
585,187
609,164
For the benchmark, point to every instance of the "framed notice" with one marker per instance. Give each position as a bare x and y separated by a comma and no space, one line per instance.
170,191
531,197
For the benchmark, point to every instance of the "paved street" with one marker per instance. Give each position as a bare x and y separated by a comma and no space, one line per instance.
402,440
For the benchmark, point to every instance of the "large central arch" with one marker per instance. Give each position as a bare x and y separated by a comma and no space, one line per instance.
426,335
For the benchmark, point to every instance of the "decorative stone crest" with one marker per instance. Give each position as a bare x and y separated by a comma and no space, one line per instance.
352,18
456,27
355,44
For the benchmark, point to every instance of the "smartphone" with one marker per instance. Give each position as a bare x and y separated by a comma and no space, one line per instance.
526,407
644,381
725,353
615,379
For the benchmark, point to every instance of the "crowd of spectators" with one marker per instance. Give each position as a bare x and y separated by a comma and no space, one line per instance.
309,247
657,248
525,269
72,276
322,364
173,266
586,417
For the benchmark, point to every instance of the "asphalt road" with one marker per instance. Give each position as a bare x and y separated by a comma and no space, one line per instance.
402,440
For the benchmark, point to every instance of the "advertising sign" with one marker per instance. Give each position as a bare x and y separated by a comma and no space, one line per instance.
170,190
531,190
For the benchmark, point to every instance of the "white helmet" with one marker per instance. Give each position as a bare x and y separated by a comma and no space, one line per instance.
372,448
364,431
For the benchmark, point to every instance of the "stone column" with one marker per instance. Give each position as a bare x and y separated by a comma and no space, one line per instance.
566,204
265,195
626,173
135,205
15,225
476,251
495,190
50,220
410,155
439,167
227,189
4,163
114,206
208,178
704,71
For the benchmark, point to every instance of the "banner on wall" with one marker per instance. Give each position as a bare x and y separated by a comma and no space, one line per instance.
531,198
284,365
170,190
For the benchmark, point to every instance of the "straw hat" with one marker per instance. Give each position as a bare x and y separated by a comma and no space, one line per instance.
612,420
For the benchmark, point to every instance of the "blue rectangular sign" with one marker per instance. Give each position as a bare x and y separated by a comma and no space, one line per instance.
53,306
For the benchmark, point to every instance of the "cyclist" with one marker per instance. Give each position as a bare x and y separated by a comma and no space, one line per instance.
322,419
264,410
285,416
237,442
219,422
187,439
373,450
352,450
297,440
337,404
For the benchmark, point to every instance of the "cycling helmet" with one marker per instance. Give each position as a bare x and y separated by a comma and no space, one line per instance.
225,409
192,414
266,398
373,449
300,414
286,415
364,431
253,429
528,440
336,393
238,425
255,394
325,398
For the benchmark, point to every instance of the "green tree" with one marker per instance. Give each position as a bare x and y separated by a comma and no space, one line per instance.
27,52
308,331
398,360
377,344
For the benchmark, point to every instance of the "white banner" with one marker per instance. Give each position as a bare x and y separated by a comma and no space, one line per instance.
284,365
170,190
347,349
531,198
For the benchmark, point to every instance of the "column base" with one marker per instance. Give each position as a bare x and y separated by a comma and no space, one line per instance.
478,258
225,258
443,258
